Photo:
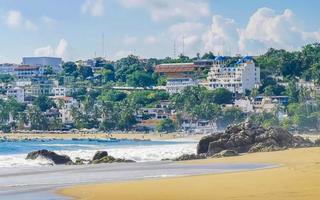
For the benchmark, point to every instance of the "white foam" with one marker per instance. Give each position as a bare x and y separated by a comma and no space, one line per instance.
137,153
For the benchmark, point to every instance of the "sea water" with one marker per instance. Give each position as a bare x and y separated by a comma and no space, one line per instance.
13,153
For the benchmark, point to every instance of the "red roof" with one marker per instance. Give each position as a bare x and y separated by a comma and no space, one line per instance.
175,67
26,67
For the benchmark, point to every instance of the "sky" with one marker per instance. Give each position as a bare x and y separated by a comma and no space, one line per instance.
82,29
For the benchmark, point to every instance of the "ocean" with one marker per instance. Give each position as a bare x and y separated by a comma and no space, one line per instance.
13,153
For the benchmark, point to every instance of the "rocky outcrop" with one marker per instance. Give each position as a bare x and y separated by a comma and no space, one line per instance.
50,155
110,159
190,157
247,137
99,154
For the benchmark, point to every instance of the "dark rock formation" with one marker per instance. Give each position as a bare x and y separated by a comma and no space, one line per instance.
50,155
110,159
99,154
247,137
190,157
226,153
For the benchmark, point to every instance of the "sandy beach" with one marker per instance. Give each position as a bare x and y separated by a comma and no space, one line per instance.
297,177
137,136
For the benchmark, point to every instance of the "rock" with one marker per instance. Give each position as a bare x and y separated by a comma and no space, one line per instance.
226,153
50,155
99,154
205,141
190,157
80,161
247,137
317,142
110,159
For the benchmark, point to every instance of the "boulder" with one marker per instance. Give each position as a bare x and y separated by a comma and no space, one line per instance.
110,159
190,157
50,155
100,154
247,137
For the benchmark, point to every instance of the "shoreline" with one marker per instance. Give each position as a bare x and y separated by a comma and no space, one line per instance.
50,179
129,136
296,177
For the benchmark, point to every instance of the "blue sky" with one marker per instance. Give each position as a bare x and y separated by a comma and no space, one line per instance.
73,29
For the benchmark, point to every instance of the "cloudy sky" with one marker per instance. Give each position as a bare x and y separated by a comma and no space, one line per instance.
74,29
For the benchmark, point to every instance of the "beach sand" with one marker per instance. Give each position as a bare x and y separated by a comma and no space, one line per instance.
137,136
296,178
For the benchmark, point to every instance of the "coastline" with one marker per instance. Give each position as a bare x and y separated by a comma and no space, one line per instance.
297,177
130,136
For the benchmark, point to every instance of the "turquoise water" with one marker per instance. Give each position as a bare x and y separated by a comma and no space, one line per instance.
25,146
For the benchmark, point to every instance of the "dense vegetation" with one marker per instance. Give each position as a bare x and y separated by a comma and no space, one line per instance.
107,109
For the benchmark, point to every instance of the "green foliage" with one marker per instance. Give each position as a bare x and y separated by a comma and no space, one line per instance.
232,116
222,96
140,79
112,95
265,119
70,68
43,103
166,125
5,78
85,72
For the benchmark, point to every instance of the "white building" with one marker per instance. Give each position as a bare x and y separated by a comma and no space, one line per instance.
17,93
59,91
55,63
238,78
65,105
245,105
176,85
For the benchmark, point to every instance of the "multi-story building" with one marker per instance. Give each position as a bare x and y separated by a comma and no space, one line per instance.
55,63
16,93
27,71
7,68
65,105
179,75
237,78
176,85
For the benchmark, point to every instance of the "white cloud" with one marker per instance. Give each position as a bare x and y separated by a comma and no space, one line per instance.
265,29
14,19
93,7
48,21
187,34
130,40
59,51
165,9
222,36
61,48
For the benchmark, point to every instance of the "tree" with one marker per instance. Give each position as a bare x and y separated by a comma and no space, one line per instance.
140,79
222,96
232,116
44,103
208,55
69,68
166,125
5,78
85,71
315,71
37,120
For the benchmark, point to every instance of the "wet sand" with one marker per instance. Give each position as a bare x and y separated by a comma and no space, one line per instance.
39,183
297,178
